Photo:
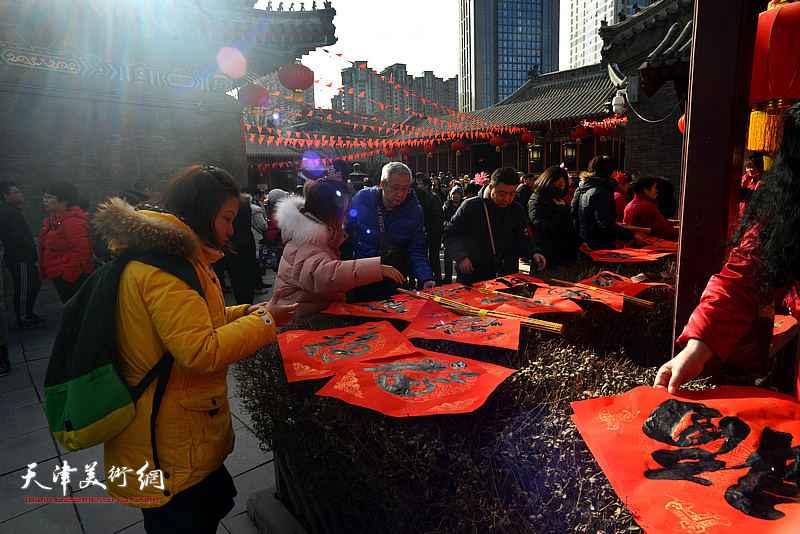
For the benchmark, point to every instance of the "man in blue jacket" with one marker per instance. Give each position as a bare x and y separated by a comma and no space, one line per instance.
401,244
486,236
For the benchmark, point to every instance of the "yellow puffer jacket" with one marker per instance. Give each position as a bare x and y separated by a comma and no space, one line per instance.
157,312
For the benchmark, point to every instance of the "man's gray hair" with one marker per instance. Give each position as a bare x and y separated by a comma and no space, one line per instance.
395,167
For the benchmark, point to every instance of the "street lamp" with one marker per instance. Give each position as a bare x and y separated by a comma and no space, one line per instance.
535,153
570,150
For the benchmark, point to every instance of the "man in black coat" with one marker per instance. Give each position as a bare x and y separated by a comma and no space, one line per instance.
434,224
20,255
489,229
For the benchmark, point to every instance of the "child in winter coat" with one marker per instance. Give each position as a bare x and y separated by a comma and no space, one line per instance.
311,272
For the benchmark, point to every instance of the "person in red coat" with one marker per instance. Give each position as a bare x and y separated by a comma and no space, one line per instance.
764,267
65,242
621,193
753,170
643,209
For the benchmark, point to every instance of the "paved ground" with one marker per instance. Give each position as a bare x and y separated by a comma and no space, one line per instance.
25,439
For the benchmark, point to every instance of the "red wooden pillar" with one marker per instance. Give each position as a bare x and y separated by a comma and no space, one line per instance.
723,40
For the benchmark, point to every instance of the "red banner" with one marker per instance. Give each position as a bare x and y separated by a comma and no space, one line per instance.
403,307
437,323
309,354
626,255
511,280
660,245
721,460
618,283
423,383
555,294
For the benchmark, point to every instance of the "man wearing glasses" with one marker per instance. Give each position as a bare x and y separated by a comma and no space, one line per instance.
386,221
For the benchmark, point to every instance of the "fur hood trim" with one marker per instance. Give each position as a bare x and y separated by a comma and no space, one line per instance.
157,233
298,227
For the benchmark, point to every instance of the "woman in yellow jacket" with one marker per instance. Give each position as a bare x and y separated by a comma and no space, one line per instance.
156,311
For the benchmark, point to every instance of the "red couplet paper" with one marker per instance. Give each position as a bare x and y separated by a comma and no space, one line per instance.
403,307
511,280
615,302
721,460
782,324
660,245
437,323
423,383
617,283
626,255
309,354
532,306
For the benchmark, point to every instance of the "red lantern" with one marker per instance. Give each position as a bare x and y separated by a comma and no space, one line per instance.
497,141
775,81
405,151
580,132
254,96
297,77
391,152
682,123
429,149
458,146
602,129
528,138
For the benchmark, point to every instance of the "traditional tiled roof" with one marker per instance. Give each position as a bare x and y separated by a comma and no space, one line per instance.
645,20
558,96
676,47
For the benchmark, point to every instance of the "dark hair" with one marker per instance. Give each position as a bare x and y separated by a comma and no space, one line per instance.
772,211
506,175
642,181
757,160
5,188
528,175
327,200
602,166
141,185
425,181
196,195
341,166
472,189
64,192
548,177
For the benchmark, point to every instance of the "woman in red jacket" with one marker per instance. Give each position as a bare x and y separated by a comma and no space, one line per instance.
764,265
65,242
643,209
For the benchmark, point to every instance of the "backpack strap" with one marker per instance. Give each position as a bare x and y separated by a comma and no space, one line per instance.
183,269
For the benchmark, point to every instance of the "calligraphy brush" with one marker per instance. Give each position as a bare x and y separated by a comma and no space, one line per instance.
633,300
547,326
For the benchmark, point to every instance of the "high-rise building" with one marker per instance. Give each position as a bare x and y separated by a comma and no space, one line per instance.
585,17
364,91
501,40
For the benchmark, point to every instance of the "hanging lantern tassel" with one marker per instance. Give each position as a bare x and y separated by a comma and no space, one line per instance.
764,133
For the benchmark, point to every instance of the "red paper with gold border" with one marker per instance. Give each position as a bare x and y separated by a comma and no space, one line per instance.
403,307
436,322
618,283
309,354
615,302
423,383
626,255
505,282
699,462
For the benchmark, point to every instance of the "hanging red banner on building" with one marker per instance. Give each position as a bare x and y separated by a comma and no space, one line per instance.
403,307
437,323
555,294
725,458
511,280
309,354
626,255
618,283
423,383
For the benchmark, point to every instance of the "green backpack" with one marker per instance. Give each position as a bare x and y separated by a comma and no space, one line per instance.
87,399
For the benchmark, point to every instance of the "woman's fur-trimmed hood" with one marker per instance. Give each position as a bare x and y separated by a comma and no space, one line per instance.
154,232
297,227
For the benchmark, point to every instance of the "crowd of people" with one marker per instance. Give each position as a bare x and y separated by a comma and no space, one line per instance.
341,237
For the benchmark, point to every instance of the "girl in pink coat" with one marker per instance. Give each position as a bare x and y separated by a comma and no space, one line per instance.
311,272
